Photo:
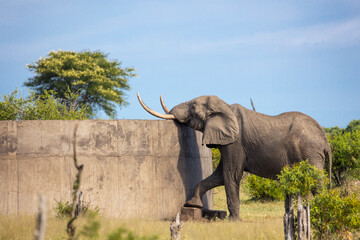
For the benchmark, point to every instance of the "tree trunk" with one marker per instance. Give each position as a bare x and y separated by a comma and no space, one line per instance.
289,219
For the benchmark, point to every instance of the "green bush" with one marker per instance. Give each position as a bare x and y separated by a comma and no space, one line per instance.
345,156
291,181
334,216
216,156
63,209
301,178
91,229
45,107
262,188
124,234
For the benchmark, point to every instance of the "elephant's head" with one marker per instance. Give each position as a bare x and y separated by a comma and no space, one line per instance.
208,114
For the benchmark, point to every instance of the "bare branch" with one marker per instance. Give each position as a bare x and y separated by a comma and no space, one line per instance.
76,186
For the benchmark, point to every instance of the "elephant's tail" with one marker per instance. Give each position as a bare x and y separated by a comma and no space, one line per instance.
328,157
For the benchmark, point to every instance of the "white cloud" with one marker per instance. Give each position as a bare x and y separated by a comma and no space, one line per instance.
332,35
338,34
344,33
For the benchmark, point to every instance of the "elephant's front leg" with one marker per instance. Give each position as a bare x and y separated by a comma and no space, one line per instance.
232,188
214,180
233,158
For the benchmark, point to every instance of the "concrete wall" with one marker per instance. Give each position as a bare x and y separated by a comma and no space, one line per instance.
132,168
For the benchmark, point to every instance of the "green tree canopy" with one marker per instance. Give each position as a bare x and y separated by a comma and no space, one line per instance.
101,82
333,131
345,155
353,126
345,146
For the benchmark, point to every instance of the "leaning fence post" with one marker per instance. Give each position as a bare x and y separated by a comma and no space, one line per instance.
41,219
175,228
289,218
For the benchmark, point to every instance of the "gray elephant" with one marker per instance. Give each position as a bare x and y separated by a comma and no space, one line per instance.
248,141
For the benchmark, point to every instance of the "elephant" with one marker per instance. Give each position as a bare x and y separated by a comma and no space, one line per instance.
248,141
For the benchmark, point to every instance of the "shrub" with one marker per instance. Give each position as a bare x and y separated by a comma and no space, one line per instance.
91,229
333,216
301,178
63,209
11,106
262,188
345,156
44,107
124,234
216,156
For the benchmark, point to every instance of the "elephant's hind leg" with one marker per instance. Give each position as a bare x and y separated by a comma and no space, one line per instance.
214,180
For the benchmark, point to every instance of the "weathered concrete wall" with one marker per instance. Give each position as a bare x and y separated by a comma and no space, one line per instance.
132,168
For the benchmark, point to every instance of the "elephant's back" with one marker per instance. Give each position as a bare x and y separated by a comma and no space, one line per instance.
282,140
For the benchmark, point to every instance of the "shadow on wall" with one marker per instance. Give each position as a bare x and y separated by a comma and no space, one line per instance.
189,162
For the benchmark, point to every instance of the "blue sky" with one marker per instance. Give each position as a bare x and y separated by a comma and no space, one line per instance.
285,55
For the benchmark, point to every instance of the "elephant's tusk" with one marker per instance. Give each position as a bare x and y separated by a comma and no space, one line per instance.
166,110
152,112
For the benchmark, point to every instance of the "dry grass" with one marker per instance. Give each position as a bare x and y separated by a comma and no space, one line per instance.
21,227
259,221
265,229
250,210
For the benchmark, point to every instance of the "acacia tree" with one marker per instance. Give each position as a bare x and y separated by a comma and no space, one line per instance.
101,82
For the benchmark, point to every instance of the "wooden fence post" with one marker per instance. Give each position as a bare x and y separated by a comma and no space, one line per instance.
303,214
301,220
41,219
308,233
289,218
175,228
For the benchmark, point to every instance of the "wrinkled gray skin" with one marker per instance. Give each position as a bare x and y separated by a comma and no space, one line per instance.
250,141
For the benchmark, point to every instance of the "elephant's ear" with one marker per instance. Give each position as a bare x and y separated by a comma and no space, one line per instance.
221,127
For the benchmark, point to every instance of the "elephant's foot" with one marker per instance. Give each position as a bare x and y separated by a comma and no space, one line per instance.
194,202
234,218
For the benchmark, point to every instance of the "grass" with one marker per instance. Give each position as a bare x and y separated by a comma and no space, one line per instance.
250,210
22,227
259,221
